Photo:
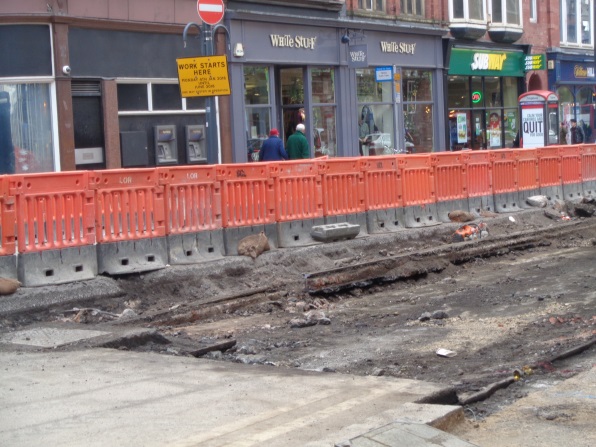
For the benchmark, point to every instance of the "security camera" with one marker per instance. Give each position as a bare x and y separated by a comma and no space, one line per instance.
66,70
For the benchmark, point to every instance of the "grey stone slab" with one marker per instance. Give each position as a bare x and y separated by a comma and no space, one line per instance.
402,434
49,337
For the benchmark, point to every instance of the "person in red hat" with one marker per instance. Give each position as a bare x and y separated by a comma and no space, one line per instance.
272,148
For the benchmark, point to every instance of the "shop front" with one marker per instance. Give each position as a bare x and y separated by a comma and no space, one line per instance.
572,78
356,91
483,86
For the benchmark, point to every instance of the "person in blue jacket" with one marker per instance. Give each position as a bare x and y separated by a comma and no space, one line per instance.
272,148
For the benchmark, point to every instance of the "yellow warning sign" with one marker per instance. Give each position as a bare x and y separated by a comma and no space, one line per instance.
203,76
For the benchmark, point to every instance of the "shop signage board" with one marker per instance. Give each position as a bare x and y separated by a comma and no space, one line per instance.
203,76
481,62
384,74
358,56
535,62
210,11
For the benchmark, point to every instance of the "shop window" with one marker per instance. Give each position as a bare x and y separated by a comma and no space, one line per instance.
467,10
142,96
372,5
585,112
477,93
506,12
375,114
412,7
417,87
577,21
492,92
257,108
27,120
458,92
324,135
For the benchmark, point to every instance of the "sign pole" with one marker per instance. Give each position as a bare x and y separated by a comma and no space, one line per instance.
212,147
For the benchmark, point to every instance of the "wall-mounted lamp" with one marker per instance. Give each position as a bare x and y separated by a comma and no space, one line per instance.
238,50
350,35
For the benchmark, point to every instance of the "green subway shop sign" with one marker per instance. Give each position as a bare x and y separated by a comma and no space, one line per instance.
486,63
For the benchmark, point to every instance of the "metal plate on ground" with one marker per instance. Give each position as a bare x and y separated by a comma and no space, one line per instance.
49,337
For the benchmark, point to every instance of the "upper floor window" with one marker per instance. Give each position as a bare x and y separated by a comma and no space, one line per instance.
412,7
506,12
467,9
576,22
372,5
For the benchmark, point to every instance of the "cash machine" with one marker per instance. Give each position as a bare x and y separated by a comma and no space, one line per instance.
195,144
166,150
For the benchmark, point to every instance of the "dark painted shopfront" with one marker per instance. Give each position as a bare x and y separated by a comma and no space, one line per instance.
572,78
483,86
344,84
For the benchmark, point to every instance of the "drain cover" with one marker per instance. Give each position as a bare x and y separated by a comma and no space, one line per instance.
49,337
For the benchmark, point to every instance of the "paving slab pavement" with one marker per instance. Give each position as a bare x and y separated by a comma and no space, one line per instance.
107,397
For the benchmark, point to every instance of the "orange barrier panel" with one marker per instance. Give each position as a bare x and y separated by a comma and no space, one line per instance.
383,186
588,154
129,204
527,169
504,171
248,194
417,177
450,176
479,173
7,217
343,186
571,169
549,166
298,190
192,198
55,211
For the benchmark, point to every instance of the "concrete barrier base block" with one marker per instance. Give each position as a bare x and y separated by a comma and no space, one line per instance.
193,248
589,189
507,202
447,206
297,232
385,221
421,216
143,255
232,236
480,203
8,267
524,194
43,268
355,219
573,192
335,232
552,192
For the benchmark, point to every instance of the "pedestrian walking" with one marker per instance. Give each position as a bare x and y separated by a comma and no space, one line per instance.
297,145
272,148
577,133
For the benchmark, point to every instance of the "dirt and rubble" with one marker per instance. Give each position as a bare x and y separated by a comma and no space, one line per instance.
510,311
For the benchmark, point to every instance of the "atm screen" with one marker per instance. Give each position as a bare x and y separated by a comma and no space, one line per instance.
164,135
195,135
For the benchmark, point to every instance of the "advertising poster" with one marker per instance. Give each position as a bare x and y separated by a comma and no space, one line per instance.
532,126
462,128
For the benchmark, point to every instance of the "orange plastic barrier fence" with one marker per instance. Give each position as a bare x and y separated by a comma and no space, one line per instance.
192,198
55,211
450,176
479,173
343,186
417,177
129,204
7,217
527,169
248,194
549,166
588,154
383,185
571,167
504,171
298,190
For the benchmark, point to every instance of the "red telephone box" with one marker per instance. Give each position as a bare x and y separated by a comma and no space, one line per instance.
539,118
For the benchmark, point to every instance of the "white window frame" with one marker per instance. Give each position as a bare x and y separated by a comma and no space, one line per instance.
563,27
504,11
533,11
371,5
411,6
466,18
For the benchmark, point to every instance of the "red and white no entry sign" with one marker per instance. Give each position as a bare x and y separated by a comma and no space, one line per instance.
210,11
